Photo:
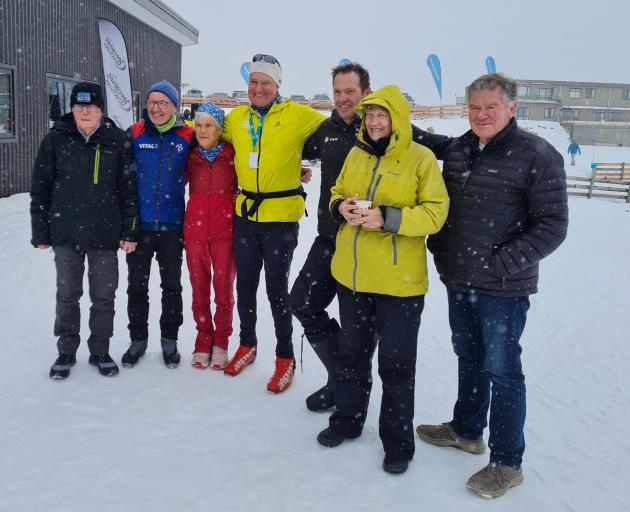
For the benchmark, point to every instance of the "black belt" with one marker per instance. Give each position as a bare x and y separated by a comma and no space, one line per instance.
259,197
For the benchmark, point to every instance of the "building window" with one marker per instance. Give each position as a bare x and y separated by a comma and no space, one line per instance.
523,91
545,93
568,114
598,115
59,90
550,113
522,113
614,115
575,94
590,92
626,94
7,124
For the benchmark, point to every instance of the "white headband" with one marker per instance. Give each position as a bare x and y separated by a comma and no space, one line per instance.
273,71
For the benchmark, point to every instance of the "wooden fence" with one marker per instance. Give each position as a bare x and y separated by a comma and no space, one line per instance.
607,181
442,111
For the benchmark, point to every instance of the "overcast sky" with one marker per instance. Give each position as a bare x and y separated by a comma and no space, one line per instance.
535,39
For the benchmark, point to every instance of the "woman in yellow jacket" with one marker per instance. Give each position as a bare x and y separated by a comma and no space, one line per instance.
388,197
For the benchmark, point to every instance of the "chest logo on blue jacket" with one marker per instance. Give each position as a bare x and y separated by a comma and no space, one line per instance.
180,148
148,146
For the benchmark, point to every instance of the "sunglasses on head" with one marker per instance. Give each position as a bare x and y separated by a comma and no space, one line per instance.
269,59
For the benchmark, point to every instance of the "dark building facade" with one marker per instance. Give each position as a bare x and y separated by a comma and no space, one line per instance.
48,45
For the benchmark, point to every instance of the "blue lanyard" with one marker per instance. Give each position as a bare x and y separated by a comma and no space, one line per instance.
255,135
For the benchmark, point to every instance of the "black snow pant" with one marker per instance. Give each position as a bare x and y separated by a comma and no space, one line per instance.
393,323
270,244
314,290
168,249
103,281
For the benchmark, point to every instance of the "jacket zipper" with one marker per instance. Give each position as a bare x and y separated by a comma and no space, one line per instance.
97,163
378,162
455,221
395,247
258,169
371,194
356,259
158,185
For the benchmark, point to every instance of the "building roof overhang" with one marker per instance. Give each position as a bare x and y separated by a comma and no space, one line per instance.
162,18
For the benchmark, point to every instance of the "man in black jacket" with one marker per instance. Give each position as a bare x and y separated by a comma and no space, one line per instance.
315,288
508,211
83,204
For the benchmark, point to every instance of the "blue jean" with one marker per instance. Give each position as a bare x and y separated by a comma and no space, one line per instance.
485,332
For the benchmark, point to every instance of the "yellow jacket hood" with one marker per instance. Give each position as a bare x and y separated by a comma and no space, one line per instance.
391,99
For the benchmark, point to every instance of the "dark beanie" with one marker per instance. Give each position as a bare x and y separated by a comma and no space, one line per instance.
87,93
167,89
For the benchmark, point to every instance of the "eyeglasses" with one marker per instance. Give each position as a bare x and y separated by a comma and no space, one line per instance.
261,57
161,104
91,109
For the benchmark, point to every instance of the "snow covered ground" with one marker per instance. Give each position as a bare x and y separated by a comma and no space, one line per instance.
153,439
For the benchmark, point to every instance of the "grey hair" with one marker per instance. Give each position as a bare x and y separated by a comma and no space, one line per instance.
490,83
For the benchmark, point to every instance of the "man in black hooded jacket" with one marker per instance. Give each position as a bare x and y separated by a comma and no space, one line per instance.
315,288
84,205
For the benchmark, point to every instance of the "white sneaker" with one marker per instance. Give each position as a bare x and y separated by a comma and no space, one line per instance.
200,359
219,358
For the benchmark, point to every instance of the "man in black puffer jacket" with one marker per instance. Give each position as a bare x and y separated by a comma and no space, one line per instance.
83,204
508,211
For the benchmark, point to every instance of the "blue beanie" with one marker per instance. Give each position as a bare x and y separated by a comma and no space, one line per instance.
167,89
212,110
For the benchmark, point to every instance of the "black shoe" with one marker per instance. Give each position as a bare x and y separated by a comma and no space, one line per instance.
61,367
135,351
171,359
329,438
321,401
395,466
105,364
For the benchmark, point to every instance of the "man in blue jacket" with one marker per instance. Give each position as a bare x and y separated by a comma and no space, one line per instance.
161,143
573,150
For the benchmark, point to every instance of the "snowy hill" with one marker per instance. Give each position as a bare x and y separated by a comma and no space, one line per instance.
160,440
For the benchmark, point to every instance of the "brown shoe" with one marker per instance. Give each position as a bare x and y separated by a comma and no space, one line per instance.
444,435
494,480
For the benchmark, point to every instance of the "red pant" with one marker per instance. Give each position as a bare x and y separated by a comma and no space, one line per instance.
202,260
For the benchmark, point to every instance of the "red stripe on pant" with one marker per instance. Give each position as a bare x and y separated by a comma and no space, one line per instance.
212,262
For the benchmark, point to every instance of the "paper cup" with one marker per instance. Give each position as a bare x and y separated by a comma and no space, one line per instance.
363,203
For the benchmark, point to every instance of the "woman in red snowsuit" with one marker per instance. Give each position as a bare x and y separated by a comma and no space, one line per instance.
208,237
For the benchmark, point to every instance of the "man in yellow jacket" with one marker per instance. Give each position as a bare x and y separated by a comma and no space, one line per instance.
268,136
388,197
